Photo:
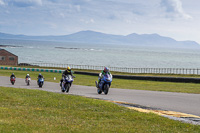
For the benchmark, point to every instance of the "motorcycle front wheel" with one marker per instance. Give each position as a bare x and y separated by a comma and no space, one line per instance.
67,86
62,89
40,85
106,89
99,91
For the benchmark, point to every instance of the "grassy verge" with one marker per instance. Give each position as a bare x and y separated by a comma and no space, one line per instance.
39,111
117,83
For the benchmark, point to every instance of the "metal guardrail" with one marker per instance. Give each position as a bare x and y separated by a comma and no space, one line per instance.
195,71
152,78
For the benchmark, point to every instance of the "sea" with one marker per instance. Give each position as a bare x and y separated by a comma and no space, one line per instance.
110,55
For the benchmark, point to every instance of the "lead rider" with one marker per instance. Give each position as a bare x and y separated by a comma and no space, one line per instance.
103,72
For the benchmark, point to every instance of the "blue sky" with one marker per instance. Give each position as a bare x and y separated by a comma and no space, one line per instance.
178,19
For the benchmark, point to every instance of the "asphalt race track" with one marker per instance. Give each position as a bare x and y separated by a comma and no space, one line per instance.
179,102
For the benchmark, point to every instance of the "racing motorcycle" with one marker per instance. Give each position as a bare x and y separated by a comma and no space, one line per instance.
67,81
28,80
12,80
104,84
40,82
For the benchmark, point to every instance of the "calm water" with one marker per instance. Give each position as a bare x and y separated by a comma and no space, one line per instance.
103,55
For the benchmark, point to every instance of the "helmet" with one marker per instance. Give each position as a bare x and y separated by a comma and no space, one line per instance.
40,74
106,69
27,74
12,73
68,69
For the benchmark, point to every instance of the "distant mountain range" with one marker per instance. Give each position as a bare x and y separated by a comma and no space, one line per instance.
93,37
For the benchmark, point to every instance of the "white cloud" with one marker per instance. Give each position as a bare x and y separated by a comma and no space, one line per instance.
92,20
39,2
78,8
87,21
52,25
73,8
1,2
62,15
25,3
174,9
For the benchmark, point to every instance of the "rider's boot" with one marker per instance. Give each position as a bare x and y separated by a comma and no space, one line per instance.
97,85
61,82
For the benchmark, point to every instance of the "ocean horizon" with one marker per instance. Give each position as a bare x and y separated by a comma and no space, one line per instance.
118,55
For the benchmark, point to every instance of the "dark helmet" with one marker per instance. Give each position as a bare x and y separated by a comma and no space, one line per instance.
106,69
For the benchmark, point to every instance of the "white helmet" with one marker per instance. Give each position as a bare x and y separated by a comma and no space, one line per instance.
27,74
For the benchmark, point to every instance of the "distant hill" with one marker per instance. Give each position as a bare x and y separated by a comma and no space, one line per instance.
93,37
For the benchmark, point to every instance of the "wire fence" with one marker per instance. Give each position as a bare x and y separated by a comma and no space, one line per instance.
195,71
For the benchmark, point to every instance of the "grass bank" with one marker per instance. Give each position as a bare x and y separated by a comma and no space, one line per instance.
25,110
117,83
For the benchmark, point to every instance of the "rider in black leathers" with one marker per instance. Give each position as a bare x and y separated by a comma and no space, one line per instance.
40,76
12,75
68,71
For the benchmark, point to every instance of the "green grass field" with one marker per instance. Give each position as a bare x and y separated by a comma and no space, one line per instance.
117,83
24,110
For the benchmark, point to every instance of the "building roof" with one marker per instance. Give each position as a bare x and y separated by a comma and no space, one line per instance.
9,52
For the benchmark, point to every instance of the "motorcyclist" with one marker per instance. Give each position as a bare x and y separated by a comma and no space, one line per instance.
40,76
27,76
27,79
104,72
12,75
40,82
68,71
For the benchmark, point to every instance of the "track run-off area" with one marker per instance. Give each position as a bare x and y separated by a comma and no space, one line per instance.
177,105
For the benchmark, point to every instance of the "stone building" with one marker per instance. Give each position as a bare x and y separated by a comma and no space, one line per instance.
7,58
